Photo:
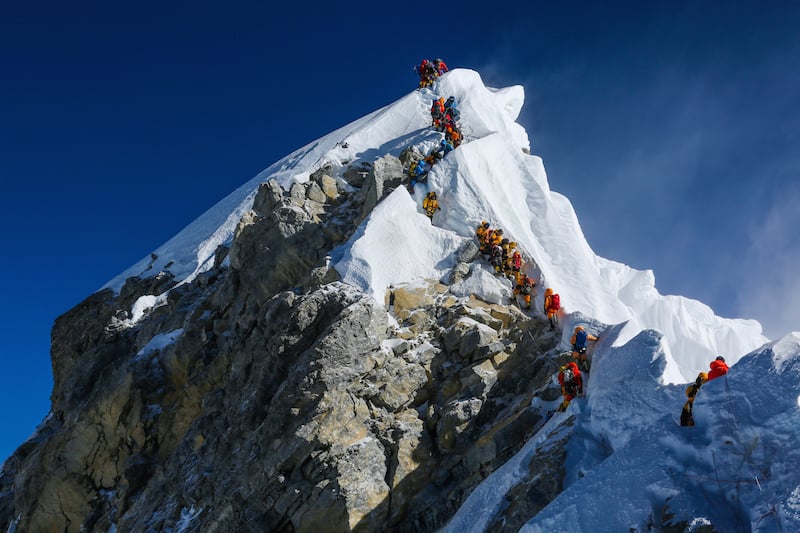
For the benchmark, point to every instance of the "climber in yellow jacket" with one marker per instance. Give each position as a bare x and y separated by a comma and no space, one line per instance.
496,238
430,204
687,418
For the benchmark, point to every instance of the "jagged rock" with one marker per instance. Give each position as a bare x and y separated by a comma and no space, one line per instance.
467,335
540,485
314,209
467,252
315,193
455,421
507,315
274,409
406,299
248,219
269,197
356,175
83,347
329,187
480,315
297,194
324,169
410,155
386,175
459,273
389,170
397,383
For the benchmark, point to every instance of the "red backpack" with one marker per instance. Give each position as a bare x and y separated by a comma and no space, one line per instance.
555,302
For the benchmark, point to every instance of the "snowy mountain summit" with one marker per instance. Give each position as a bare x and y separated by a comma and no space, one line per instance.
315,353
490,177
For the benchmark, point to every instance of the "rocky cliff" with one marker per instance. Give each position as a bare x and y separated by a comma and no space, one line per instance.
265,395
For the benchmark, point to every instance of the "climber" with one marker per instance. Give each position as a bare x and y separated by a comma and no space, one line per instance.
496,238
432,158
552,304
430,204
453,135
496,258
420,70
486,239
437,114
516,261
427,73
691,391
445,147
508,247
504,246
524,287
571,383
440,66
417,172
578,341
718,368
450,105
481,230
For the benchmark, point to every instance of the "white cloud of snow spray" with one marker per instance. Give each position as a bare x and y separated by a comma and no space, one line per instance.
773,256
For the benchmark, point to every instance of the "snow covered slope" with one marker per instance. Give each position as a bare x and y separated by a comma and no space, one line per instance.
648,341
630,465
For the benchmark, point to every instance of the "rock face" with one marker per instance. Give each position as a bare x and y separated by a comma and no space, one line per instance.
267,396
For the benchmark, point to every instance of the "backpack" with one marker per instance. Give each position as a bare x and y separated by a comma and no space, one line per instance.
580,339
555,302
568,375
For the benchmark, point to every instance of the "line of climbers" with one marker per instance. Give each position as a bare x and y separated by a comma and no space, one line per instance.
506,259
429,71
444,118
418,170
501,252
569,375
445,115
503,255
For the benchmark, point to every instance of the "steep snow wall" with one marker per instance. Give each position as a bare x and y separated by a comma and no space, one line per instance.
736,468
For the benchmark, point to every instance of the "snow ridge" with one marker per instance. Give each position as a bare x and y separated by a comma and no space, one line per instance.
648,341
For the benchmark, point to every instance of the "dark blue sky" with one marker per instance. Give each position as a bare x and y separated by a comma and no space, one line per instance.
671,126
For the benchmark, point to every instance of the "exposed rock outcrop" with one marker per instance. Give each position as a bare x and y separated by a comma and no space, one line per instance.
266,396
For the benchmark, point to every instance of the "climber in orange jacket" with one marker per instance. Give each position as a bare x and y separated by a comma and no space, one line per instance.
552,304
482,233
524,287
718,368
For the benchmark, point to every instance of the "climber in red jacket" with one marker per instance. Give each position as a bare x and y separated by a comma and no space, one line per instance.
571,383
718,368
